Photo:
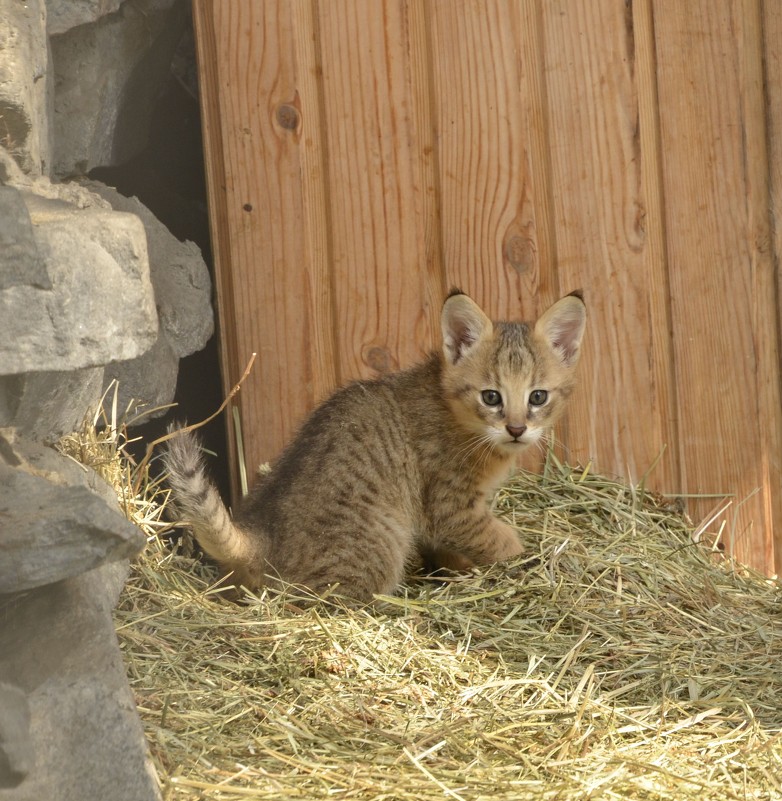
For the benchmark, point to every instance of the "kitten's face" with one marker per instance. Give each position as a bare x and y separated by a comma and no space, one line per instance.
507,383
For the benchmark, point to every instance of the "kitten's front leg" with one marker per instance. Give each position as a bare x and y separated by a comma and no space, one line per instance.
496,542
476,540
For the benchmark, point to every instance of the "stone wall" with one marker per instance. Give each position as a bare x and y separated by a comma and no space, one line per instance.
92,287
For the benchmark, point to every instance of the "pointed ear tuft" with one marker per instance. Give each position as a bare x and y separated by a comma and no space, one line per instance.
463,324
562,326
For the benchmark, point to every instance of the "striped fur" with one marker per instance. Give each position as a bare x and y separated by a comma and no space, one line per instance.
197,502
387,471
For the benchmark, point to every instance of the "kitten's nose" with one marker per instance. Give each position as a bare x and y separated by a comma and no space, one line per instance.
515,431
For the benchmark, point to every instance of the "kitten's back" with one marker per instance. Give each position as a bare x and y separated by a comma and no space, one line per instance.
341,501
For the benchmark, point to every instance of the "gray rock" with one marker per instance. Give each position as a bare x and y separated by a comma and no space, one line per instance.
16,747
182,294
107,76
20,261
25,97
69,192
9,169
179,275
44,406
101,305
59,646
57,521
62,15
147,383
72,192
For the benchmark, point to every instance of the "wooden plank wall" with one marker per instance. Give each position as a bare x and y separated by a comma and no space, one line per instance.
365,155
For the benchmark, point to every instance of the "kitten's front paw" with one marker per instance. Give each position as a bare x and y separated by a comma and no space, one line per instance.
500,541
436,559
508,542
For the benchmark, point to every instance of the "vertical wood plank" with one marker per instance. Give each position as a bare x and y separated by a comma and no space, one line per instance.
722,278
609,234
262,116
491,121
528,22
490,241
380,211
765,311
427,162
771,22
662,375
208,54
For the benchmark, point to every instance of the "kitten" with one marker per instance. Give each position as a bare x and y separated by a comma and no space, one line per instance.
391,469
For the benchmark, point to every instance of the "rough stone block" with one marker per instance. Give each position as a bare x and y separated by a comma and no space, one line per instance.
146,383
62,15
44,406
101,305
20,261
56,518
24,85
59,647
183,289
183,297
106,78
16,748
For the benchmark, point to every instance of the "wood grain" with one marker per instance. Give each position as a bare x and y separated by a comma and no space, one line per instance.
365,155
606,197
771,23
490,240
209,66
379,203
269,215
721,272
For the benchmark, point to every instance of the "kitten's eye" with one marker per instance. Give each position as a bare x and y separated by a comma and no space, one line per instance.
491,397
538,397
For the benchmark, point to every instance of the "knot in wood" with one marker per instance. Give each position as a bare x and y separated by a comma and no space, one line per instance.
520,253
380,359
287,116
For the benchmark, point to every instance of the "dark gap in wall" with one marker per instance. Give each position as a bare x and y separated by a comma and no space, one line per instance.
168,177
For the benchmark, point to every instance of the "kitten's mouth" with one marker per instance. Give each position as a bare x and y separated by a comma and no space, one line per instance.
524,439
514,443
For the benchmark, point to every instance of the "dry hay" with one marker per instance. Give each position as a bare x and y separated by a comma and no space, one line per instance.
618,660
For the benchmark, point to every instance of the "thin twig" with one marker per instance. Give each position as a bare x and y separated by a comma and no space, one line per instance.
193,426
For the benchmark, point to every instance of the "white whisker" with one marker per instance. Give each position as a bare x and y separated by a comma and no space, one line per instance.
471,446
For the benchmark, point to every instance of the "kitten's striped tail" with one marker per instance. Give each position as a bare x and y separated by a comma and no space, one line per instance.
197,502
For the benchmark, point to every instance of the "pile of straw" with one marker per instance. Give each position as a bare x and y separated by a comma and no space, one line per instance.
616,660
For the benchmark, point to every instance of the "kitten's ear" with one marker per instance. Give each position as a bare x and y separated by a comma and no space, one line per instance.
562,326
464,324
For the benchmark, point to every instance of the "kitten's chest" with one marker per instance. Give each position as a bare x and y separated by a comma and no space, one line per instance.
460,468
